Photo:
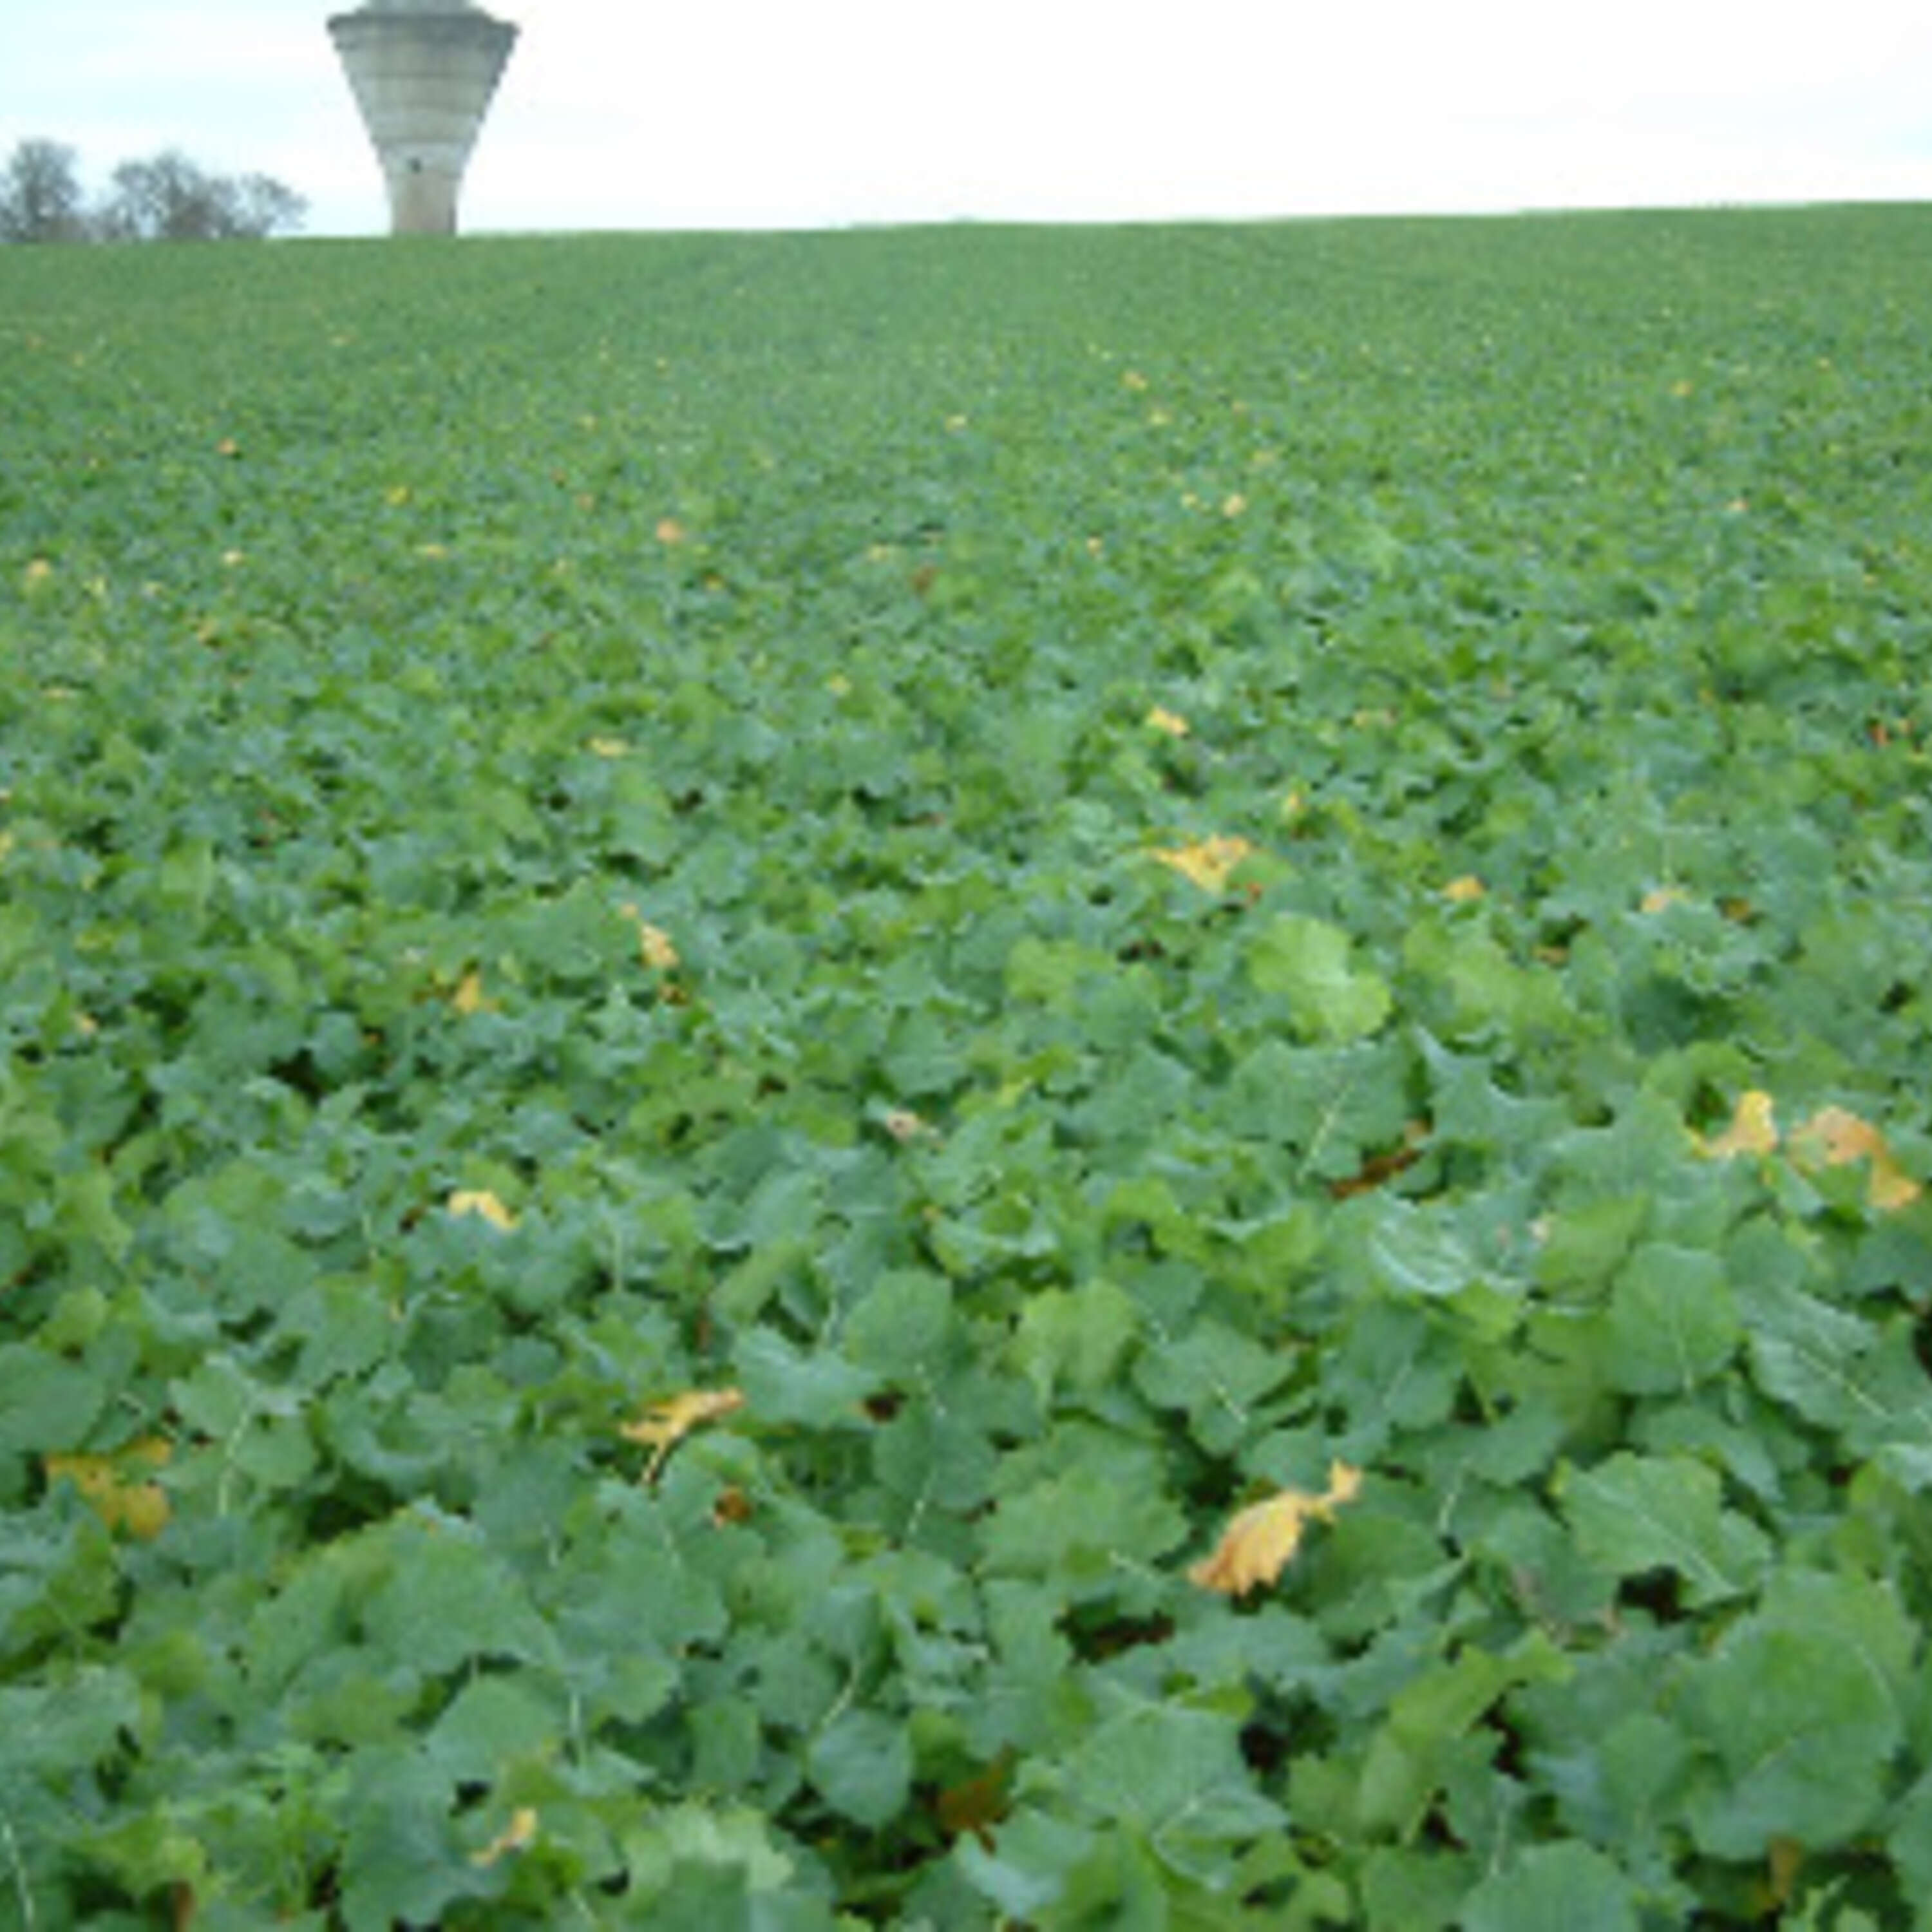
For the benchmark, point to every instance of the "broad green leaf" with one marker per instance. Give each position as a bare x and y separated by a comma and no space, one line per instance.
862,1766
1410,1753
1804,1703
1075,1337
1566,1883
1308,963
902,1324
1633,1514
446,1600
47,1403
1672,1321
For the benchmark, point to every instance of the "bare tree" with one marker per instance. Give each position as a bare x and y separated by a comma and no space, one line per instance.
266,206
39,195
166,198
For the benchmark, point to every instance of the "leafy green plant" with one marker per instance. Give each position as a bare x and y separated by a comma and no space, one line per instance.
966,1078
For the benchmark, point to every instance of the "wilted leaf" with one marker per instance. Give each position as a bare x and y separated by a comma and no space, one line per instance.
976,1804
654,944
117,1487
518,1835
1209,862
1752,1129
485,1205
469,997
664,1425
1834,1137
1259,1543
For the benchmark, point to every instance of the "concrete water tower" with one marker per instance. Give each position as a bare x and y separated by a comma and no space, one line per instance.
423,72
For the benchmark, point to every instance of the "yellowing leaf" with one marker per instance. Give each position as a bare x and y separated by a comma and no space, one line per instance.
1752,1129
1172,722
1463,891
485,1205
670,531
469,997
664,1425
608,747
1834,1137
518,1835
38,572
654,943
1209,863
116,1487
1662,898
1259,1543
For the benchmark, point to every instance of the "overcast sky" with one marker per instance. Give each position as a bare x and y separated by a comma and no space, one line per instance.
689,113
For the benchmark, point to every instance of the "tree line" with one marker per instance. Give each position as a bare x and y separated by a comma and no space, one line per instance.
166,198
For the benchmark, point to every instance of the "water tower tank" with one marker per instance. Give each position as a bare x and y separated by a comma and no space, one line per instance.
423,72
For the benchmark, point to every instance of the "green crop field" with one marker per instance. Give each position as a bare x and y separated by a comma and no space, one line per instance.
969,1077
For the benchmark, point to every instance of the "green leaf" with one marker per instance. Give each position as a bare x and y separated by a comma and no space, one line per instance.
1633,1514
1173,1774
1307,961
861,1764
447,1601
902,1323
400,1859
1075,1338
1216,1376
1414,1748
1567,1884
1672,1321
1804,1704
47,1404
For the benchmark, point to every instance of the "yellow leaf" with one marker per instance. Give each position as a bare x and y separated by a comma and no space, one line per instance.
518,1835
1259,1543
1662,898
1463,891
1172,722
469,997
608,747
664,1425
115,1488
1209,863
654,943
485,1205
670,531
1834,1137
1752,1129
38,572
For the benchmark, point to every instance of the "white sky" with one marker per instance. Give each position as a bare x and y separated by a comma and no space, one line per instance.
735,113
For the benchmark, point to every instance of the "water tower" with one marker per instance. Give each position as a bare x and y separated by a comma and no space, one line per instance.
423,72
